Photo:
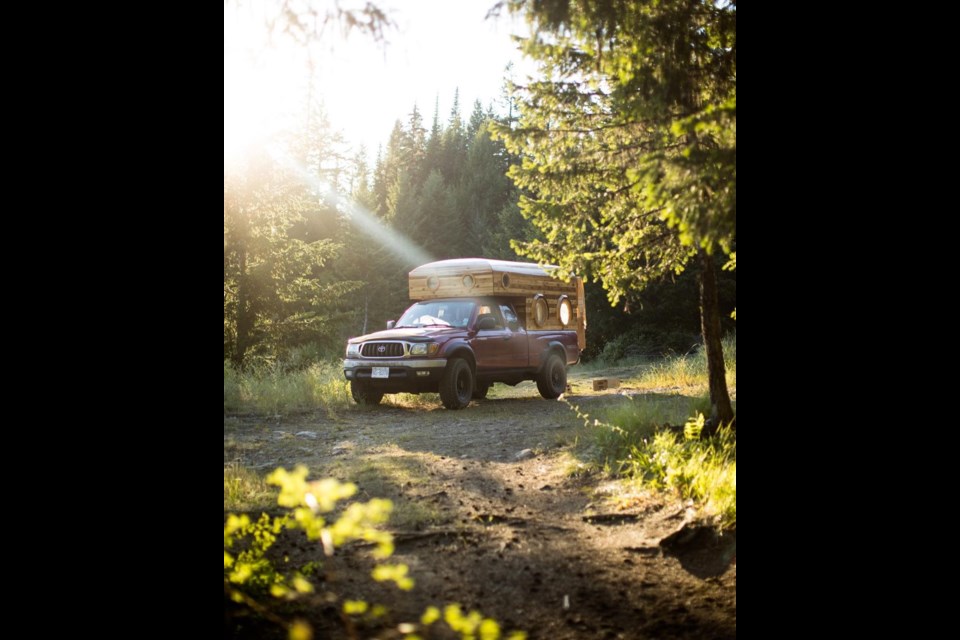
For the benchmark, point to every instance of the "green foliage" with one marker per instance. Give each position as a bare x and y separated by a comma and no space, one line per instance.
248,569
615,432
628,136
705,470
277,289
249,572
639,441
246,542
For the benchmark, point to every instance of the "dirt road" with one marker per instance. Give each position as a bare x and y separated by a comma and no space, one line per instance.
493,512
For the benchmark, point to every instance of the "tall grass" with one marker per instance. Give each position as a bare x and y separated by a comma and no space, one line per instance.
688,371
274,389
631,424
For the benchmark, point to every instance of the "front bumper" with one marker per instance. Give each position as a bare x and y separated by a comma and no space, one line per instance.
404,373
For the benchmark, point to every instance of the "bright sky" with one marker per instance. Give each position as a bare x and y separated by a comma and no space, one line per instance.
436,47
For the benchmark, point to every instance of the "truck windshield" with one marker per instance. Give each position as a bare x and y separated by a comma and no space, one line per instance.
437,313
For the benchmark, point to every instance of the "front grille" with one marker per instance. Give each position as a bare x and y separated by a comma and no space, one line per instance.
382,350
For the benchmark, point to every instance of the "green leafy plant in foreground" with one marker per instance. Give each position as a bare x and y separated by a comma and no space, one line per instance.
640,444
249,572
702,469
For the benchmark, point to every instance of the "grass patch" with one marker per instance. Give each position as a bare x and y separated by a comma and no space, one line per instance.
686,371
274,389
631,424
705,470
245,490
640,440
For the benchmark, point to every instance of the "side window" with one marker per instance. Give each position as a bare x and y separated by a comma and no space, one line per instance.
510,317
486,311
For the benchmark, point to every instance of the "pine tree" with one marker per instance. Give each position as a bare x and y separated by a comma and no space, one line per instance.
484,191
414,147
478,119
392,162
433,157
454,144
276,289
629,146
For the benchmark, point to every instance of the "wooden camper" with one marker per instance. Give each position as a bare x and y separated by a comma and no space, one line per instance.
537,295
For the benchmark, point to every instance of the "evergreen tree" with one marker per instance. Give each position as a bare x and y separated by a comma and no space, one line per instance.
414,147
485,190
276,293
478,120
433,158
454,144
381,189
629,146
392,162
437,228
365,261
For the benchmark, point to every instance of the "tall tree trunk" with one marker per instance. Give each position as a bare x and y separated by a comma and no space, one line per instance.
244,319
720,410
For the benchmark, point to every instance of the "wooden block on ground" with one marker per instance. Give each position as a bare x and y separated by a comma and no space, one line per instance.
602,384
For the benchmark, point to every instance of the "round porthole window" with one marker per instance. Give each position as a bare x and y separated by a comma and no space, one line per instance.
505,280
540,312
433,283
564,310
468,281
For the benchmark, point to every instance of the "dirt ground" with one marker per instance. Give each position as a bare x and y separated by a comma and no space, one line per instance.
492,513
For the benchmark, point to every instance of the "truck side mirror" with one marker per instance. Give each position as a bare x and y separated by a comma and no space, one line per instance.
391,324
487,324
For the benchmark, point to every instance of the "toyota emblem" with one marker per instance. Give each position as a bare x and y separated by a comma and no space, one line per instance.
382,349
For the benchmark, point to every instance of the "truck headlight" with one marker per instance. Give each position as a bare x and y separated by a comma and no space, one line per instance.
424,348
353,350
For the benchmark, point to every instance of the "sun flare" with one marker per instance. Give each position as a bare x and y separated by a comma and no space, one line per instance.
263,82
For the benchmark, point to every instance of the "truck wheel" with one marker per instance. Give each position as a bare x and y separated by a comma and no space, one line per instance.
480,390
363,394
456,386
552,381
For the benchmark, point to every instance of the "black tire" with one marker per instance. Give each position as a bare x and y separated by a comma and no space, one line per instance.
552,380
480,390
363,394
456,386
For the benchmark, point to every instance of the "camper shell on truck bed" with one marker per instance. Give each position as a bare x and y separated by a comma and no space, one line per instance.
524,283
474,322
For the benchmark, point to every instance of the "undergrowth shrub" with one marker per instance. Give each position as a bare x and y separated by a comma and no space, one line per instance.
318,511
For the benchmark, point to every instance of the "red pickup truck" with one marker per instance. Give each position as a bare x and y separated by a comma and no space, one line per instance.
458,346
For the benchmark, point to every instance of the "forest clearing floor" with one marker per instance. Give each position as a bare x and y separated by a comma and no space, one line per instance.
494,511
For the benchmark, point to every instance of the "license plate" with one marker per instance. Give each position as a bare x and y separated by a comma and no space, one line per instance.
380,372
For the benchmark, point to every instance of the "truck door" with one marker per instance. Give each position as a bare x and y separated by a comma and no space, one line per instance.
492,347
517,354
